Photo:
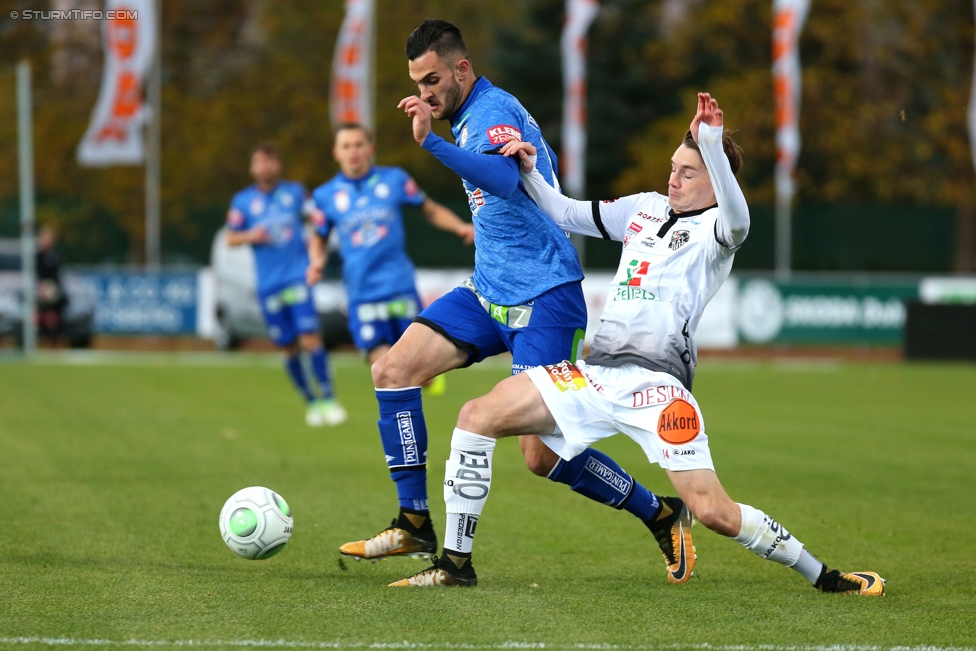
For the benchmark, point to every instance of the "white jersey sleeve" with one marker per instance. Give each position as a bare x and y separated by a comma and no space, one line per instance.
604,219
732,224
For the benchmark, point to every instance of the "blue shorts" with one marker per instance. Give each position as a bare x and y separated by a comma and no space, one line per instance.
383,322
289,312
547,330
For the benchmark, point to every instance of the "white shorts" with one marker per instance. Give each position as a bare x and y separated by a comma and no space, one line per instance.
591,403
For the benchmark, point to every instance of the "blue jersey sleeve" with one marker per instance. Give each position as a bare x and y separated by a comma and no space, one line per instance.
410,192
319,215
494,174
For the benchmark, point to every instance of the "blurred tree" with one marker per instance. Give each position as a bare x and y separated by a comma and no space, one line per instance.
883,114
885,86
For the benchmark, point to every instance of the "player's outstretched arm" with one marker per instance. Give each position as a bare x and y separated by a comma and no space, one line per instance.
445,219
495,175
318,255
256,235
571,215
707,128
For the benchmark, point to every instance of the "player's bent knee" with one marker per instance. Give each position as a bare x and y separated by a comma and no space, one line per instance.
387,374
475,416
715,517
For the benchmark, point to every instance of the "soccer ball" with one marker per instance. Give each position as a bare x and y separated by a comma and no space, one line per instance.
256,523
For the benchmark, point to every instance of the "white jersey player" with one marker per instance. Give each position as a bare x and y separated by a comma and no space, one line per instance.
677,252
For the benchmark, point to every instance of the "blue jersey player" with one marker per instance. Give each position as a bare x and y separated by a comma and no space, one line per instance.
269,216
525,297
362,203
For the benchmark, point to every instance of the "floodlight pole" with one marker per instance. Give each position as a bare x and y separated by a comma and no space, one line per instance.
153,137
25,159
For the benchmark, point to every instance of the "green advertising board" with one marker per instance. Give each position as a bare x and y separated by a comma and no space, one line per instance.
863,310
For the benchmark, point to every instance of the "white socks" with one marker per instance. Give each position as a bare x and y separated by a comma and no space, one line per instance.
768,539
467,480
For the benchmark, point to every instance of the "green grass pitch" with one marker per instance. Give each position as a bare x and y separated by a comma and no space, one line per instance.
112,476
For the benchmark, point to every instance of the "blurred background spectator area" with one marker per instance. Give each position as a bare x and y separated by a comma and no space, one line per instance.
884,180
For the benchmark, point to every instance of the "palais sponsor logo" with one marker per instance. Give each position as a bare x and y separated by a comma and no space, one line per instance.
503,133
644,215
408,439
679,423
633,230
369,235
476,199
566,376
678,240
608,475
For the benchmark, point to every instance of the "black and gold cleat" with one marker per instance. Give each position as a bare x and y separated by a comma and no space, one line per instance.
411,534
867,584
452,568
672,530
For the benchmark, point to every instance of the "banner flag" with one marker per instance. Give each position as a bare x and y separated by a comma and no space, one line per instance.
788,19
351,92
972,106
115,134
572,163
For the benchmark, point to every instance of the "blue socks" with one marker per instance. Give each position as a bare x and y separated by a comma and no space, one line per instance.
598,477
403,432
320,367
293,364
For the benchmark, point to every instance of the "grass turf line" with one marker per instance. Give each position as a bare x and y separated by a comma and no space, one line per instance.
111,479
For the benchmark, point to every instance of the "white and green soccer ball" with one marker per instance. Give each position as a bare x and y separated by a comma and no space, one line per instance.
256,523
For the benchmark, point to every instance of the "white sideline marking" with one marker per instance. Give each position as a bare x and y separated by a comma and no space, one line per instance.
299,644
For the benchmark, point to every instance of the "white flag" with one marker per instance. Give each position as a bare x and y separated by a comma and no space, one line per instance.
972,107
351,93
114,135
788,19
579,16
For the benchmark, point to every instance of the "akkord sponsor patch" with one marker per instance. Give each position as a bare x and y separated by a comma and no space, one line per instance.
679,423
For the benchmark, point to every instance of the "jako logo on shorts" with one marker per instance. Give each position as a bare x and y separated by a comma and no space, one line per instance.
407,438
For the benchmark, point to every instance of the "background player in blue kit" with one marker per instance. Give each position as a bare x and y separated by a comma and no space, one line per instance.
363,204
269,216
525,296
